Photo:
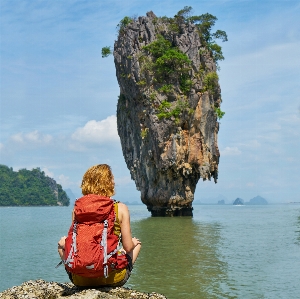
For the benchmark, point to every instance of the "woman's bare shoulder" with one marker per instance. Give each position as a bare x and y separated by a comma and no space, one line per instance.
123,211
122,207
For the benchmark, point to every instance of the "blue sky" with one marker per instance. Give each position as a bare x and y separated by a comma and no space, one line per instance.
58,96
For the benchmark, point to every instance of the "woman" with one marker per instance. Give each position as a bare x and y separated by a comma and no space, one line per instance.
99,180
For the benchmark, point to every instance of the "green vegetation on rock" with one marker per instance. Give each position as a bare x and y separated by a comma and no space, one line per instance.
167,88
219,112
144,133
123,23
106,51
210,82
205,22
166,72
169,65
165,110
29,188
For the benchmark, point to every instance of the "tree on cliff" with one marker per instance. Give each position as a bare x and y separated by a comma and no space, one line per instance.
29,188
204,22
169,105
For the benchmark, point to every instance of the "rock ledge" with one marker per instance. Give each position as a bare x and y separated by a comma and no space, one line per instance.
40,289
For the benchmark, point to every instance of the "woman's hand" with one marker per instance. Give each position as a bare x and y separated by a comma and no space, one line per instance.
61,243
136,241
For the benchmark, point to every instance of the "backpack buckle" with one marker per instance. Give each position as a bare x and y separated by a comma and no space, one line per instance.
105,224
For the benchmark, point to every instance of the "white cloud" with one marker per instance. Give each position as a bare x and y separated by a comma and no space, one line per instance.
33,137
98,131
48,172
230,151
64,181
17,138
250,144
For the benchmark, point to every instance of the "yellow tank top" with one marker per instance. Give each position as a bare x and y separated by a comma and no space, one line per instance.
113,277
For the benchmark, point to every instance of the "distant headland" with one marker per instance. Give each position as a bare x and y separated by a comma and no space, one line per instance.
30,188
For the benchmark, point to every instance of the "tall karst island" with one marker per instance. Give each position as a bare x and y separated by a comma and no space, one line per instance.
169,105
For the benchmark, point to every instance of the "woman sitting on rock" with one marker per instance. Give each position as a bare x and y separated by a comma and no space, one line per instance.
91,253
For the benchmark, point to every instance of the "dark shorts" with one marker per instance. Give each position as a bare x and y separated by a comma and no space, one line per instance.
117,284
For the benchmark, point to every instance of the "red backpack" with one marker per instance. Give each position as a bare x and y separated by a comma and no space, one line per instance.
91,248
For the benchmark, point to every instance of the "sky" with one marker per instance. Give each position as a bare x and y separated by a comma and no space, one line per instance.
58,96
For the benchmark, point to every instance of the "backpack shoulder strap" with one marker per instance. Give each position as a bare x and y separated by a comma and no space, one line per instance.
117,226
73,250
116,207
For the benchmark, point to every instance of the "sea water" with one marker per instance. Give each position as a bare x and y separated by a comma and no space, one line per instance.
224,251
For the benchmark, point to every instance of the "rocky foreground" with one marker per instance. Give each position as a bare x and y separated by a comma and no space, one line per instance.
40,289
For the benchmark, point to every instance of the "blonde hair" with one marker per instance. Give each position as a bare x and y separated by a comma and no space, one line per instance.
98,179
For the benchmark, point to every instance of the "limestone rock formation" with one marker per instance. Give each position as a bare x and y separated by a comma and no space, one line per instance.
40,289
167,111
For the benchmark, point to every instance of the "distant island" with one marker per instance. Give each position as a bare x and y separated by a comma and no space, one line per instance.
258,200
30,188
238,202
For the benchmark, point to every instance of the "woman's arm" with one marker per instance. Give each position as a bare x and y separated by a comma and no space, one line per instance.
61,247
128,242
62,241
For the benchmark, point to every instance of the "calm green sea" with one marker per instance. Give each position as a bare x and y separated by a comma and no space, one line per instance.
222,252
